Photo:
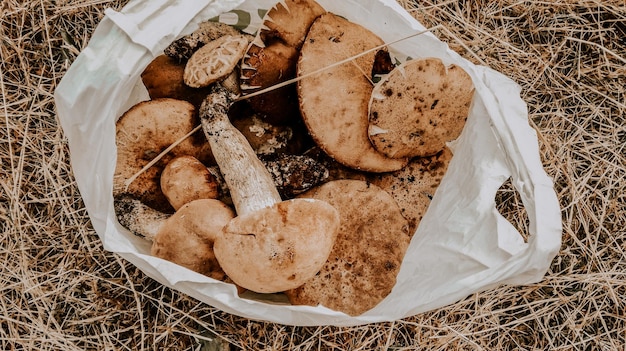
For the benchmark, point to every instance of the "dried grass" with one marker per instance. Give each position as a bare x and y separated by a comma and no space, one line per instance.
59,290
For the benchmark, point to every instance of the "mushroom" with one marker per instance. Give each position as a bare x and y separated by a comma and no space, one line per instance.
362,267
266,138
414,186
185,237
185,178
214,61
139,218
419,107
272,245
188,236
181,49
334,102
163,78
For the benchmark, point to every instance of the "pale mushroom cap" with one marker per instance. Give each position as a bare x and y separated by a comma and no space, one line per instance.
187,237
280,247
214,61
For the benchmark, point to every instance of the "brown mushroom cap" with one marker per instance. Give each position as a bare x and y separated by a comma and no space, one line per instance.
185,179
334,103
163,78
187,237
414,186
143,132
370,246
272,56
279,247
418,107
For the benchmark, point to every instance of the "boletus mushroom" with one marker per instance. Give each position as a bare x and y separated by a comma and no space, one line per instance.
272,245
272,56
142,133
185,237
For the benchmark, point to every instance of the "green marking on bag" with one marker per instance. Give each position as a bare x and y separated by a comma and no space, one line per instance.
243,19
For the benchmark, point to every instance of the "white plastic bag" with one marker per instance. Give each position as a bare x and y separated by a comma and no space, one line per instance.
463,245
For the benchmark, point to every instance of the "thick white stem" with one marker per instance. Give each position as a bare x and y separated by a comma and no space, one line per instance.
251,186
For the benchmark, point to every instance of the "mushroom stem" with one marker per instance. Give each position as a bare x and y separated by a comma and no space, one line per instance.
251,186
139,218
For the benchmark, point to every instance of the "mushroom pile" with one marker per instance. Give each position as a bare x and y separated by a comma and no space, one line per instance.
312,190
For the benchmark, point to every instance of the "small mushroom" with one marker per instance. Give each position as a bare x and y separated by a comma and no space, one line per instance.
138,218
185,237
185,179
272,245
181,49
414,186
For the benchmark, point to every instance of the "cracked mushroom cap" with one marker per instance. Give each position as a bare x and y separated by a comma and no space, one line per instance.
279,247
334,103
418,107
142,133
362,267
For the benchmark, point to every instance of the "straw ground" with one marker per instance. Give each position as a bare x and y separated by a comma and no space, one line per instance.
59,290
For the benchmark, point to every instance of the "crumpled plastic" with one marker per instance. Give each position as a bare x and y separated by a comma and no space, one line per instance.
462,245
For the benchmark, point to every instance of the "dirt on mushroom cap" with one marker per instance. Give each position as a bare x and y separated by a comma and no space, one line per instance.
418,107
334,103
414,186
